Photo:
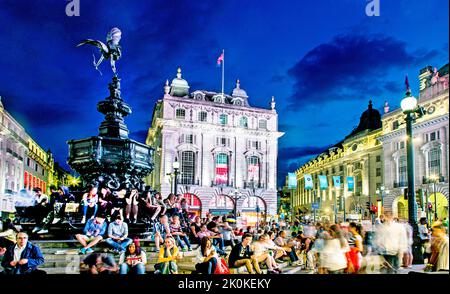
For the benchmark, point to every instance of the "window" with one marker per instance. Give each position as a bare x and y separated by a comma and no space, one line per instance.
333,170
378,172
36,167
378,158
202,116
28,161
400,145
341,168
243,122
434,162
222,142
187,138
262,124
432,136
402,174
221,169
180,113
223,119
253,170
187,167
255,145
395,125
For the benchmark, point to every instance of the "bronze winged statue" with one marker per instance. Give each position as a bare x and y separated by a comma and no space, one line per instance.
111,50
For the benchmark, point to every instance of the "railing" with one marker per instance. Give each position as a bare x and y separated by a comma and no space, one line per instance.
254,185
229,184
400,184
188,182
435,90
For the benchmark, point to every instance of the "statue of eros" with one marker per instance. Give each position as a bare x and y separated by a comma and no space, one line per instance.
111,50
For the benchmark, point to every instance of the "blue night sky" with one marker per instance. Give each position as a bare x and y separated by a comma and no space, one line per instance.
322,60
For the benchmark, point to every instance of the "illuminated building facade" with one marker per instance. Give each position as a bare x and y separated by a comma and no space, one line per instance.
358,156
226,149
431,149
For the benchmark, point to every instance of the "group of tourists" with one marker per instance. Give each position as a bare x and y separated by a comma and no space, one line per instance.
323,247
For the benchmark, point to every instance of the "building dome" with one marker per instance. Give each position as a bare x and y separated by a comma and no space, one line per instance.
370,120
179,86
238,92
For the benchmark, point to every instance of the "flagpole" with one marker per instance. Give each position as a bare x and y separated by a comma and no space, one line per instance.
223,70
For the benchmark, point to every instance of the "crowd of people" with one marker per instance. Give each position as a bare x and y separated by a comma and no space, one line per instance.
322,247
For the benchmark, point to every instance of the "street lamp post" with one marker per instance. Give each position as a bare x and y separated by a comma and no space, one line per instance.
410,108
176,167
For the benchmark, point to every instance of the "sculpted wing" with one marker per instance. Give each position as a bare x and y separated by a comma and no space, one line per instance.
96,43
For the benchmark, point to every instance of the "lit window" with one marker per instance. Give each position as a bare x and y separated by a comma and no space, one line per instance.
434,162
243,122
222,169
223,119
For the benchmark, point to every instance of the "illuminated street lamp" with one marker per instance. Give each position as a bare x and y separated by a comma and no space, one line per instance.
412,111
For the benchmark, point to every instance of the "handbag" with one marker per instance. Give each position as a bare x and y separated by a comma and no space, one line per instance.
221,267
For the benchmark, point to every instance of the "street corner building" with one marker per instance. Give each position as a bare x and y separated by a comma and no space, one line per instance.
226,150
371,166
431,149
24,165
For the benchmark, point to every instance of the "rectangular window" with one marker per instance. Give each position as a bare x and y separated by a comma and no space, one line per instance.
223,119
378,170
341,168
180,113
433,136
202,116
378,158
189,139
402,145
28,161
395,125
187,168
222,169
262,124
36,167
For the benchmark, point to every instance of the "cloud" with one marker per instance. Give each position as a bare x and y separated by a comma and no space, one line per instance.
351,67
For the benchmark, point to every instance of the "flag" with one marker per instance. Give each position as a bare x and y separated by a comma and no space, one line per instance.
350,183
323,182
308,182
337,181
220,59
292,181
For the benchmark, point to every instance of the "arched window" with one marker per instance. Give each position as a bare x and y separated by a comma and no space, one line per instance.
221,169
252,202
434,162
221,201
187,168
253,167
402,171
243,122
180,113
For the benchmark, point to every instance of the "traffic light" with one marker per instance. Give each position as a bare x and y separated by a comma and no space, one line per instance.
405,193
374,209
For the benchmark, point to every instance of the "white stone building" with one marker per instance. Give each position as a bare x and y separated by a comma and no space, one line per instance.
431,147
224,146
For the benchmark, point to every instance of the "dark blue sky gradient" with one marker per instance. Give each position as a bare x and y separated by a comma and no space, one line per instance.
322,60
